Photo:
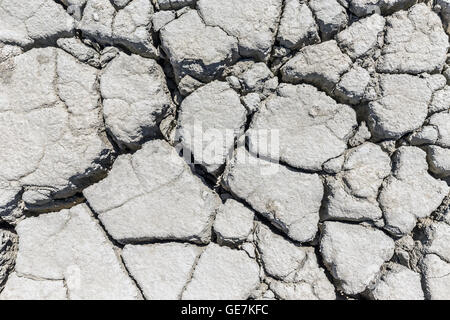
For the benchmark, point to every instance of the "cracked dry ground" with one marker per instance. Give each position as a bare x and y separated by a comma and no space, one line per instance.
98,97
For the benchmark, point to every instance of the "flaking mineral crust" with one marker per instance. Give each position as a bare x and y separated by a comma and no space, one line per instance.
211,149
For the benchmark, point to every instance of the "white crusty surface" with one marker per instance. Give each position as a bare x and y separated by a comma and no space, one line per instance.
212,149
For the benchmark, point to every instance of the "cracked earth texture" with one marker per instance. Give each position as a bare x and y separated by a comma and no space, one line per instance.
211,149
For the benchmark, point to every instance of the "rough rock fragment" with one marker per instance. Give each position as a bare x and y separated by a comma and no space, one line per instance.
362,36
256,78
23,288
53,144
291,200
330,15
438,240
202,57
311,126
437,277
352,87
408,252
252,22
362,134
415,42
234,223
129,27
297,26
425,135
97,20
136,99
70,245
441,100
320,64
353,192
161,18
295,271
334,165
441,122
439,160
223,273
398,283
151,195
28,22
281,259
7,52
410,192
209,121
161,270
354,254
80,51
401,107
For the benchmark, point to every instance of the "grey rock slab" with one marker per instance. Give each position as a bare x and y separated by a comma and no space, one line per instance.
161,270
98,17
436,277
27,22
362,134
80,51
334,165
330,16
362,37
204,56
439,161
319,64
441,122
255,78
441,100
129,27
153,195
311,127
187,85
54,125
252,22
281,259
415,42
233,223
70,245
294,270
8,51
209,121
354,254
410,192
351,88
135,99
352,194
298,27
425,135
23,288
290,200
161,18
401,106
438,240
398,283
222,273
